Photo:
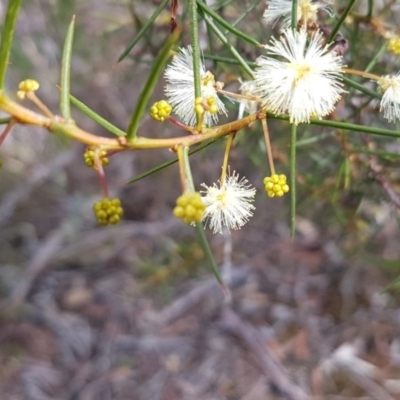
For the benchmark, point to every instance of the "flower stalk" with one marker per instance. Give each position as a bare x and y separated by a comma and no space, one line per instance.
226,156
6,131
34,99
184,169
268,145
100,172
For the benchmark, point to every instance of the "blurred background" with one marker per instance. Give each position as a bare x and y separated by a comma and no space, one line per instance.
132,311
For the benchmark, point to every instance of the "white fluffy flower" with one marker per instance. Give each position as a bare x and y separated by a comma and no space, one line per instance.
306,83
180,88
389,85
307,11
228,203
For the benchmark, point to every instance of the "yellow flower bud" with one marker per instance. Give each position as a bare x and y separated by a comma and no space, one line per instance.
108,211
28,85
394,45
199,109
276,185
189,207
160,110
88,157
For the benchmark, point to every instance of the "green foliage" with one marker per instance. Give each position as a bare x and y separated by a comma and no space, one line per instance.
149,23
96,117
66,72
7,37
333,161
150,85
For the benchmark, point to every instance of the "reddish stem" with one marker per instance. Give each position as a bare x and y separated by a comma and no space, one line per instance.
7,131
111,153
179,124
100,172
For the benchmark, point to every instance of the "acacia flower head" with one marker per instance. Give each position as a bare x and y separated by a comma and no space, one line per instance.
389,85
189,208
228,203
307,11
180,89
305,83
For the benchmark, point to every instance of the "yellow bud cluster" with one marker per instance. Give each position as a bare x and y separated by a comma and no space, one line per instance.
108,211
276,185
208,79
189,208
160,110
28,85
88,156
394,45
212,105
198,106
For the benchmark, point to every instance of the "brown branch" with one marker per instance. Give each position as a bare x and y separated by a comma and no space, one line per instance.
60,125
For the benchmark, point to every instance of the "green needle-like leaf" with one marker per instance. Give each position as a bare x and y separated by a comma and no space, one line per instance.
293,139
344,126
151,83
377,56
5,120
142,31
293,22
314,139
224,60
194,39
7,37
207,251
225,41
249,9
171,162
227,60
361,88
379,153
199,227
66,71
227,25
370,9
96,117
342,18
211,44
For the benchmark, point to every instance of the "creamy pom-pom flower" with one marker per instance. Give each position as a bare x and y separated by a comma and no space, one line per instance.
180,88
389,85
307,11
306,83
228,203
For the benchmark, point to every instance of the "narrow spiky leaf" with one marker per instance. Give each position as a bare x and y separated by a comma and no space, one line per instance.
143,30
151,83
7,35
66,71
